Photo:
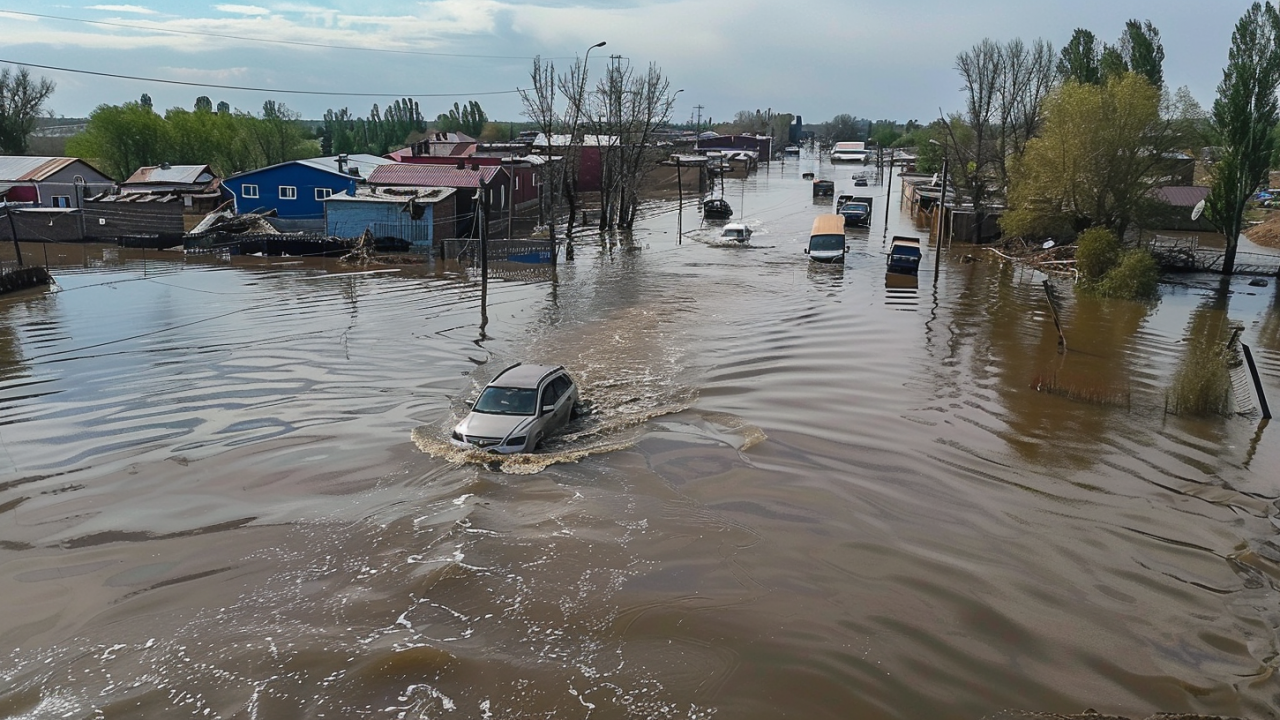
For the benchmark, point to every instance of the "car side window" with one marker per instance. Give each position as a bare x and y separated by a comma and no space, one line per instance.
550,394
561,384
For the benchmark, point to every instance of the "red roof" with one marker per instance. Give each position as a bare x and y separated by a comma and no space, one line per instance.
1182,195
432,175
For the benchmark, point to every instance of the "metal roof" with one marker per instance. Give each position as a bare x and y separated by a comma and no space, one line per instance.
448,176
361,162
393,194
1182,196
24,168
172,174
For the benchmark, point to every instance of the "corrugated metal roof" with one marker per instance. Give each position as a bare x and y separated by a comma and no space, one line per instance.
186,174
1182,196
393,194
417,175
23,168
360,161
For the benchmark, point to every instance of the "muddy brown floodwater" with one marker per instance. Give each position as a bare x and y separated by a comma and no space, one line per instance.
801,491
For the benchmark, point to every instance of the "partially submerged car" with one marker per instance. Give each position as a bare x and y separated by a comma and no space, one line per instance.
518,409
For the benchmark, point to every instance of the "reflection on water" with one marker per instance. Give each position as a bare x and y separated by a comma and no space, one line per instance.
225,489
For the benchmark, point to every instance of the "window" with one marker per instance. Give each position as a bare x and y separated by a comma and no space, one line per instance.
61,201
288,192
322,193
249,191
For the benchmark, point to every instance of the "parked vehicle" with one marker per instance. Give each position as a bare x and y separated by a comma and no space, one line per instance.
737,232
850,152
824,188
518,409
859,182
904,255
826,239
791,150
717,209
857,211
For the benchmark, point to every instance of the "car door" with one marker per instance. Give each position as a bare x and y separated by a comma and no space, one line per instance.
551,396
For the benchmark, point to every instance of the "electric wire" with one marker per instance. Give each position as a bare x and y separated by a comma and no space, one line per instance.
189,83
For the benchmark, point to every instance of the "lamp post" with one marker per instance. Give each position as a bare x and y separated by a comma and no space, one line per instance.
573,133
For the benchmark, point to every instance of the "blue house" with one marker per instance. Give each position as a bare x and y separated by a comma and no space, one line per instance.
297,189
408,217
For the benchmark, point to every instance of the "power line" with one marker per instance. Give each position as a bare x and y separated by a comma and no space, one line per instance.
258,89
298,43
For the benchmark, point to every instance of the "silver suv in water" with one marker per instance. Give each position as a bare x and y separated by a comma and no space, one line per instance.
518,409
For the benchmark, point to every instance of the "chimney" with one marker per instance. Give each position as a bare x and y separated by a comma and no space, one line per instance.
475,165
462,164
342,162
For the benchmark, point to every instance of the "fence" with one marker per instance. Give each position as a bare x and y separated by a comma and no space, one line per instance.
533,252
1185,254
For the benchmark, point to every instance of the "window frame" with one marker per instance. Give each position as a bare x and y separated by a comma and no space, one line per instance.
249,191
287,192
327,193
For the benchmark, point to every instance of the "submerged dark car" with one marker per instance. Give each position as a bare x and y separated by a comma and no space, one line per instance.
519,409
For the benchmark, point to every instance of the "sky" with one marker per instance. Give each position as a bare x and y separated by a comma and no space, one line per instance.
878,59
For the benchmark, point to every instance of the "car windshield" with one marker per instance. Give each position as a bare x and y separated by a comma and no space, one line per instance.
506,401
826,242
854,207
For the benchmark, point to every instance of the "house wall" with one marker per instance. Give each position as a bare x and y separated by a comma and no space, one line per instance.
350,218
62,184
306,180
526,187
43,226
112,220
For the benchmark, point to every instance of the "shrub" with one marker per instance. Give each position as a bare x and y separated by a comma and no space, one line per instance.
1097,251
1135,277
1202,384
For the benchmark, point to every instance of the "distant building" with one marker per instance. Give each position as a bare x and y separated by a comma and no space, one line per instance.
438,144
297,189
762,145
482,190
50,182
157,203
416,216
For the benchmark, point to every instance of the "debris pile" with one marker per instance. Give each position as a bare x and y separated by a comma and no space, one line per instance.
1266,234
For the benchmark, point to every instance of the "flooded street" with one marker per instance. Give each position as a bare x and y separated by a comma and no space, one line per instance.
800,491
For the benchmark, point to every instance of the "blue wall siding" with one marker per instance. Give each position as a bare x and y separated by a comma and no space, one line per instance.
349,219
305,179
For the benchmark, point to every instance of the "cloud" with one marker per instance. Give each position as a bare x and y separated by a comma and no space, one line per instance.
136,9
242,9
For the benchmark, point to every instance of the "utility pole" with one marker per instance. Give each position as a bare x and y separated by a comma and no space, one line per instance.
699,109
17,248
888,183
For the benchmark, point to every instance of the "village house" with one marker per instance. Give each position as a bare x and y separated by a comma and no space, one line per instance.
42,196
411,217
155,206
296,190
524,170
482,190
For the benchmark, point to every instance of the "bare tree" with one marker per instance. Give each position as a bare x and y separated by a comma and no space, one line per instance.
982,67
1027,75
540,108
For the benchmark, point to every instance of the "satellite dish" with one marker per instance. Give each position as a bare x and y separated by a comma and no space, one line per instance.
1048,244
1197,211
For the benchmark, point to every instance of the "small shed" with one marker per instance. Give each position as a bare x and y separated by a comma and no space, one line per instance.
413,218
51,182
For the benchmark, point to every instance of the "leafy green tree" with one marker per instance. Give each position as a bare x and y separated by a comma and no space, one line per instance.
468,119
1143,51
1095,161
1112,63
842,128
1080,59
122,138
1245,115
21,102
204,104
